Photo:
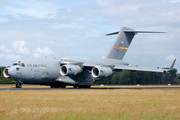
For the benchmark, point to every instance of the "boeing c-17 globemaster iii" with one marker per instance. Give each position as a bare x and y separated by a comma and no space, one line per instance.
58,73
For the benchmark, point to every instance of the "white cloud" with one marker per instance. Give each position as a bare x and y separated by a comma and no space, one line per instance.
4,49
13,53
7,53
139,13
17,44
9,56
23,50
43,52
79,29
19,47
36,55
12,56
175,1
170,57
35,9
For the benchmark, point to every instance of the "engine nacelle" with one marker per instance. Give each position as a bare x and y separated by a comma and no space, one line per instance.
70,70
5,73
101,72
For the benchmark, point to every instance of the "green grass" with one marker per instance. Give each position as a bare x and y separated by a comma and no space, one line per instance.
90,104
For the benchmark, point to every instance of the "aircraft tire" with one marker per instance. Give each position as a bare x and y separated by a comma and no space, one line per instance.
75,86
55,86
18,85
63,86
84,86
51,86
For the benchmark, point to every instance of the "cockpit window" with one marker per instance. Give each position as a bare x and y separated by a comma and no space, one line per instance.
15,64
18,63
22,64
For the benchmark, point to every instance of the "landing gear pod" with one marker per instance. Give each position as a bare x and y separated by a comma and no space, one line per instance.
70,70
101,72
5,73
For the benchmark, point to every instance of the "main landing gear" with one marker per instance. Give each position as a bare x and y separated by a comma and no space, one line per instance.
75,86
58,86
81,86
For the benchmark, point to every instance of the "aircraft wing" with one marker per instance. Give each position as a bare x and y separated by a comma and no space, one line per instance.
133,68
125,67
117,66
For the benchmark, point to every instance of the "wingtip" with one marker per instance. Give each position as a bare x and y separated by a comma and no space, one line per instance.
171,68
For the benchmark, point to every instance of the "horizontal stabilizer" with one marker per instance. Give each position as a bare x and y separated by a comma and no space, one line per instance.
135,32
114,33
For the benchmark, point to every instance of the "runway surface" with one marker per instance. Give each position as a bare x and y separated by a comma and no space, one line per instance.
98,88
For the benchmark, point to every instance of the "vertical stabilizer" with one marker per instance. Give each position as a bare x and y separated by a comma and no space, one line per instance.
121,44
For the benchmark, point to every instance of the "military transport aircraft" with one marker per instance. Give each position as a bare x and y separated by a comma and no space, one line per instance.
80,74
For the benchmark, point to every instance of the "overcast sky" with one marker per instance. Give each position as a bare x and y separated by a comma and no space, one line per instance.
75,29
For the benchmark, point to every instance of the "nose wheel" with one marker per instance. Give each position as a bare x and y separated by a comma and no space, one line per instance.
18,85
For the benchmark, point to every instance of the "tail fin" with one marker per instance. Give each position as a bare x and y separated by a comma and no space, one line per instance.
122,42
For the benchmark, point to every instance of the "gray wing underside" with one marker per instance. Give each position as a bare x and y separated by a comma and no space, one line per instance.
133,68
124,67
116,66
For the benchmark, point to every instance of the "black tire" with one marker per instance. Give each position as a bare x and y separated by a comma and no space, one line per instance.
64,86
18,85
75,86
84,86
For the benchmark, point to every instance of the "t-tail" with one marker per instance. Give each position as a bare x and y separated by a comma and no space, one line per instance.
122,42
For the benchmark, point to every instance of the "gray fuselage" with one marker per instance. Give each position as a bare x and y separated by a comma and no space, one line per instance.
36,71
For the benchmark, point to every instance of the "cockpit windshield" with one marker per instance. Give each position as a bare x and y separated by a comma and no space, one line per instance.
15,63
19,63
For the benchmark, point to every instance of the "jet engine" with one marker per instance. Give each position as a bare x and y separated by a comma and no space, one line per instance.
5,73
70,70
101,72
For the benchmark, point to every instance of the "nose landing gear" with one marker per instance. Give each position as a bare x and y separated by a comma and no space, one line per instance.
18,84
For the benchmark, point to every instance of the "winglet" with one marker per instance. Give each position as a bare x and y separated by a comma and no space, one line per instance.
171,68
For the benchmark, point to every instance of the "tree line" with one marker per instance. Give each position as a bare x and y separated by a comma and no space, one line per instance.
127,78
4,80
140,77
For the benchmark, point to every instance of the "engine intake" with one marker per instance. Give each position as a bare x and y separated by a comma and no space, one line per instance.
70,70
101,72
5,73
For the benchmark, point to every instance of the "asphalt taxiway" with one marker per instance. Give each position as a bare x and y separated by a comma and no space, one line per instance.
93,88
